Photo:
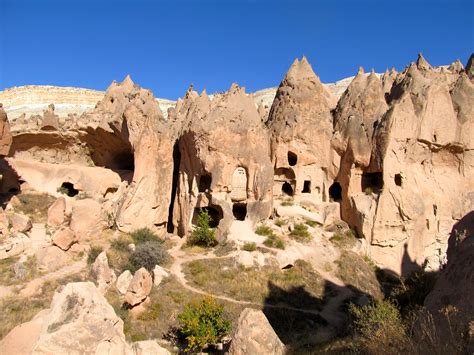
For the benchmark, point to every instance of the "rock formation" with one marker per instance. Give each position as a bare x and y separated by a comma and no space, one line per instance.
420,156
224,160
300,123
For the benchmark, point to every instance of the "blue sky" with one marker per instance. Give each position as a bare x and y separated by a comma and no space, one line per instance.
166,45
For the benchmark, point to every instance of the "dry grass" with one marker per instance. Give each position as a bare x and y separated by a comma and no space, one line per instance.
35,206
266,285
15,310
7,273
344,240
160,316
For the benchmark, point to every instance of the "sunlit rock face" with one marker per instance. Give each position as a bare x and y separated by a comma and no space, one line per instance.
300,125
408,176
223,160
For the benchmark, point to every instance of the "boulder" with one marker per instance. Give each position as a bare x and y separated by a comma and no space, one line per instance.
148,347
4,223
255,335
14,245
87,218
5,134
102,274
52,258
123,281
57,212
64,238
139,288
159,274
20,223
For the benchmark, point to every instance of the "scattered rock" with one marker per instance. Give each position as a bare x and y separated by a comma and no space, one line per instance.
57,212
20,223
148,347
159,274
64,238
139,287
123,281
255,335
14,245
102,274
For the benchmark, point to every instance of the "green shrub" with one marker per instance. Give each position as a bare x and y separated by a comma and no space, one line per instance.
203,323
379,325
288,202
249,246
412,291
147,255
311,223
280,222
274,241
94,251
121,244
143,235
203,235
300,233
264,230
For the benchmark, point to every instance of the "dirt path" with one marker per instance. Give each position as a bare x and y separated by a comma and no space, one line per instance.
330,311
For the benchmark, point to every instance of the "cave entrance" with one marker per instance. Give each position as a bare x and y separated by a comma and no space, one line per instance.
335,192
287,189
292,158
205,183
215,212
67,188
306,187
398,179
240,211
372,182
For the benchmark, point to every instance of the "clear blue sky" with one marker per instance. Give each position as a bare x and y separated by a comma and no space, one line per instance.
166,45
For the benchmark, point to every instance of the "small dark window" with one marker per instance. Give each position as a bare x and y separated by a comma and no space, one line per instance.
67,188
335,192
292,158
398,179
372,182
205,183
306,187
435,210
240,211
287,189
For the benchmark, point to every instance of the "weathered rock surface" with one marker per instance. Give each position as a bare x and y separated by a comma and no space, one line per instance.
224,160
14,245
255,335
123,281
159,274
64,238
50,120
139,287
20,223
57,212
102,274
5,134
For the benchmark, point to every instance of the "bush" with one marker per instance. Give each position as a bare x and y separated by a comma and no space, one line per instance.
288,202
203,323
264,230
147,255
121,244
203,235
280,222
249,246
94,252
144,235
379,325
274,241
300,233
311,223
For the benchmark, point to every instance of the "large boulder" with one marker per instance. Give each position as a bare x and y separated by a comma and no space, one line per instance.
139,287
123,281
87,218
50,119
64,238
102,274
14,245
20,223
255,335
57,212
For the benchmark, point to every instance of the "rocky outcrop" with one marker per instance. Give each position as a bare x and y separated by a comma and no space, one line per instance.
50,120
102,274
450,302
300,123
5,134
224,160
139,288
255,335
64,238
421,155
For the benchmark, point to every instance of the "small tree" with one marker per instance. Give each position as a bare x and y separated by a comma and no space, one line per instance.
203,234
203,323
147,255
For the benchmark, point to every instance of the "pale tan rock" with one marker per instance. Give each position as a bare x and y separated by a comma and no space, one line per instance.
255,335
57,212
21,339
4,223
148,347
52,258
159,274
50,119
14,245
5,134
80,321
64,238
139,287
102,274
123,281
20,223
87,218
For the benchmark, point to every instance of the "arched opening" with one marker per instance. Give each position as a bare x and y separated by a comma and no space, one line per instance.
284,174
306,187
215,212
110,191
205,183
67,188
335,192
372,182
292,158
287,189
240,211
398,179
